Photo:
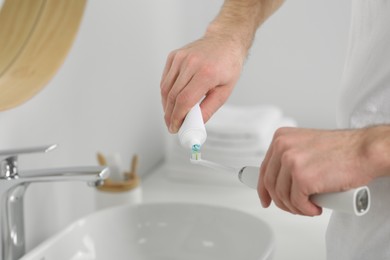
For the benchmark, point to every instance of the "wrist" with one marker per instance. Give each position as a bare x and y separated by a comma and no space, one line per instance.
377,149
238,21
228,37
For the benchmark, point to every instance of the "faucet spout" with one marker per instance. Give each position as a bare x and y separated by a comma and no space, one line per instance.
12,189
93,175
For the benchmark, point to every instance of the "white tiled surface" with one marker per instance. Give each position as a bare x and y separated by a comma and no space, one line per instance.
296,237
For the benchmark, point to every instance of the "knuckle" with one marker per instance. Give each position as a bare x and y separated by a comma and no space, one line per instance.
289,159
164,90
282,134
179,54
185,57
193,59
279,143
171,98
280,194
173,54
167,117
295,202
280,131
182,99
207,71
293,161
268,183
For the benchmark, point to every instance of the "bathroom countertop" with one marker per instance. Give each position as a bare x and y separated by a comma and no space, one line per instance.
296,237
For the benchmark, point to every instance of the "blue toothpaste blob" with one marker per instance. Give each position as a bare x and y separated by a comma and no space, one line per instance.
195,152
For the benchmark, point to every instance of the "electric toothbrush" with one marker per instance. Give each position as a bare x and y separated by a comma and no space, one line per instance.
355,201
192,135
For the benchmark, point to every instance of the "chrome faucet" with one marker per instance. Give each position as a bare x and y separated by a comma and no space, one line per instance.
13,185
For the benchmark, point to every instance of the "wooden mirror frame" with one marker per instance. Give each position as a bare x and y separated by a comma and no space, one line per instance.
35,37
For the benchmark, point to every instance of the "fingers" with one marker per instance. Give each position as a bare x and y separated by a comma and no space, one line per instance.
302,202
177,94
185,83
280,183
270,180
277,183
284,192
281,192
167,68
178,107
265,197
208,67
173,81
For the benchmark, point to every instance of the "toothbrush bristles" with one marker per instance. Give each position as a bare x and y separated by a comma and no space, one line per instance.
195,156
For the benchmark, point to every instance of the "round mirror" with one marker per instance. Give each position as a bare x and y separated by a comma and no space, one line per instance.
35,37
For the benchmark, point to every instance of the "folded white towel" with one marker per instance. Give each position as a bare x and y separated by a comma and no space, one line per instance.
248,128
242,122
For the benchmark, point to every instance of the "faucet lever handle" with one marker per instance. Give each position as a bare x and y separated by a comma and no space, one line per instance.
4,154
9,159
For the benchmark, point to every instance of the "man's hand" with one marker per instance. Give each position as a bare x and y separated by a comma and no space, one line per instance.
302,162
208,67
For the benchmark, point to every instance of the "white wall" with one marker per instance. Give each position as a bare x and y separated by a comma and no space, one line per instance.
296,60
106,96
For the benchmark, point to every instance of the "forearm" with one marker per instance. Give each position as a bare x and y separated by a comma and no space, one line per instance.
238,20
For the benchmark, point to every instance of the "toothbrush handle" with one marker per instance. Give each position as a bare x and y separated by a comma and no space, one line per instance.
355,201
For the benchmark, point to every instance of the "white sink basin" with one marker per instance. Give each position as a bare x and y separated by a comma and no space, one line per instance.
163,231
